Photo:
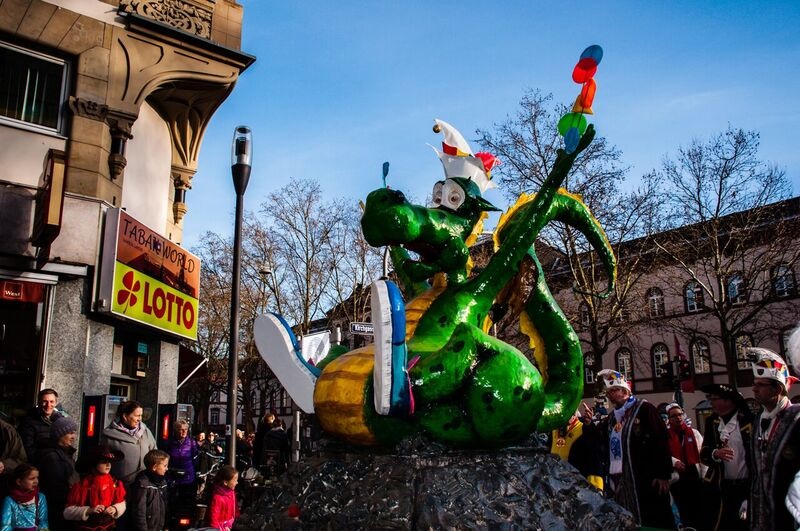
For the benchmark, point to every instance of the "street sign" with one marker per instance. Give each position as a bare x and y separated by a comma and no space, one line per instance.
361,329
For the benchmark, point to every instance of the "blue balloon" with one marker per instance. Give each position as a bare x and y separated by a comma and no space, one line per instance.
571,139
595,52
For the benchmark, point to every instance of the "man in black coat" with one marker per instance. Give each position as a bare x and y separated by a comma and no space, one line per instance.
34,429
726,452
775,443
639,462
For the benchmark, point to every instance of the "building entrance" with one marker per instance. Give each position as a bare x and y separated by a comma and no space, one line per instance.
22,312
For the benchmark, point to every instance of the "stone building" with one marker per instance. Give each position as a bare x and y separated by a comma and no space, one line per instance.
103,107
744,269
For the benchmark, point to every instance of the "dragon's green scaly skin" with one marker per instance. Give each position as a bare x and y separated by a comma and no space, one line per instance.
471,388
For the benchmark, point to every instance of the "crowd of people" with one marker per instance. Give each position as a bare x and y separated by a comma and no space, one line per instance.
742,472
124,483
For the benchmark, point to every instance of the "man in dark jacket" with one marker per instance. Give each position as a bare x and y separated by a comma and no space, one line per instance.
34,429
775,444
639,462
149,493
726,452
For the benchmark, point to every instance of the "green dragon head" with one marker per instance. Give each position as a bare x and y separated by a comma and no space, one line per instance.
438,235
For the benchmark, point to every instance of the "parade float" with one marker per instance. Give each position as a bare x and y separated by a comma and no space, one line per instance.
436,417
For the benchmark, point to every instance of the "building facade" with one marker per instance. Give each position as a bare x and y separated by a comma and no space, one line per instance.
700,289
103,107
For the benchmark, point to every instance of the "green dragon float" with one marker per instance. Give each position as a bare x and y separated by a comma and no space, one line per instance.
462,386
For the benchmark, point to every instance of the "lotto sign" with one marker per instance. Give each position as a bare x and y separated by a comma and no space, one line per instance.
149,301
147,278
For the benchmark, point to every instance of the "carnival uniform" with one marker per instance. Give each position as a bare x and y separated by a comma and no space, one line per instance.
730,481
645,457
776,458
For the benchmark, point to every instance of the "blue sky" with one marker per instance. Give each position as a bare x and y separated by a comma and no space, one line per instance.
340,87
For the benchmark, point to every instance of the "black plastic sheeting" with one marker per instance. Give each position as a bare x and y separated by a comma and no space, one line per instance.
421,485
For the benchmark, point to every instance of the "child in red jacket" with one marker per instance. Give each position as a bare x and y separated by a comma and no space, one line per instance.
223,510
98,499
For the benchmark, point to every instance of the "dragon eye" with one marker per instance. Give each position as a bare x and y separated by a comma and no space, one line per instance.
436,198
453,195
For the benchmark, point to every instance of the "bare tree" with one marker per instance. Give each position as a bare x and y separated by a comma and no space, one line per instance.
527,145
302,226
213,323
736,238
354,270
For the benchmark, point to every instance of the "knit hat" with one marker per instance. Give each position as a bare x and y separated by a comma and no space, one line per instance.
672,406
612,378
62,426
769,365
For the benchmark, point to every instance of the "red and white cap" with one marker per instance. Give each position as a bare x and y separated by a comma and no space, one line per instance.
769,365
612,379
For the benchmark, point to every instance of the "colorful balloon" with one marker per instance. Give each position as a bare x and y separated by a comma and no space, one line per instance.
570,120
571,139
584,101
595,52
584,70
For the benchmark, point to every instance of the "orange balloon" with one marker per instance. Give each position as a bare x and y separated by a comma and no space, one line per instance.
587,93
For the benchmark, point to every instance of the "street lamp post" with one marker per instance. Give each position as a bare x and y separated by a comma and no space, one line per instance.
241,159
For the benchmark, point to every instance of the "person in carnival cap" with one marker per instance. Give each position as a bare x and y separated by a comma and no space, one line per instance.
639,463
726,451
776,441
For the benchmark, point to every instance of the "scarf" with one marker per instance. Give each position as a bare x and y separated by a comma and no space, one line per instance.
134,432
767,419
615,441
727,428
155,479
683,448
23,496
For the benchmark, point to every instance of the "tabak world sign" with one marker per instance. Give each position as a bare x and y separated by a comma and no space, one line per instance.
147,278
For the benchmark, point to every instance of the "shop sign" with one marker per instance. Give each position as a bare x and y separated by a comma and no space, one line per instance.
147,278
20,291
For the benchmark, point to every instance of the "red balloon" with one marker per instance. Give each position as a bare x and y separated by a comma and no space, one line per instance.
584,70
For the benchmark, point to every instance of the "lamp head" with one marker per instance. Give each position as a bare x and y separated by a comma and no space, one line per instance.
242,147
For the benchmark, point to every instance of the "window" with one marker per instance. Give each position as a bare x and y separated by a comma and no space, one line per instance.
32,88
742,343
586,318
625,363
694,297
213,416
655,302
660,357
782,281
736,289
588,370
701,355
